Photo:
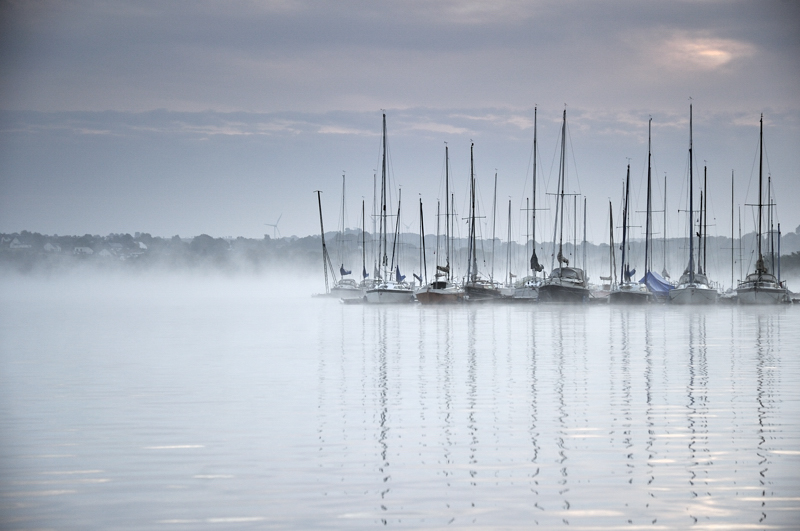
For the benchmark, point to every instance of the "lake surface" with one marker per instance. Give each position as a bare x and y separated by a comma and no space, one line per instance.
212,403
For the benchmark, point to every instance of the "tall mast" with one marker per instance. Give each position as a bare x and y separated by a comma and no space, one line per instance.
691,204
447,210
342,248
664,237
424,265
612,255
533,213
324,249
363,244
473,259
494,220
508,245
732,235
383,246
561,182
760,263
625,225
649,206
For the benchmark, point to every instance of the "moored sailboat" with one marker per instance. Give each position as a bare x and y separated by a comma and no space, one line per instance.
761,286
442,290
391,286
693,286
344,288
565,284
476,289
528,288
627,291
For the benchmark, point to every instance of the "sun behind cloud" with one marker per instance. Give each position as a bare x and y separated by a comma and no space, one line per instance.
705,53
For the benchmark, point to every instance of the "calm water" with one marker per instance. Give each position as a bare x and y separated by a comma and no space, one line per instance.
211,403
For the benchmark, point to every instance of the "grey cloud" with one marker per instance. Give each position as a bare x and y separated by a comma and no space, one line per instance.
361,55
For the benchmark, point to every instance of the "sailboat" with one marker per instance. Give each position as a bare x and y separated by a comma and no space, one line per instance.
656,284
476,289
627,291
366,282
565,284
344,288
761,286
391,287
528,288
442,290
608,283
693,286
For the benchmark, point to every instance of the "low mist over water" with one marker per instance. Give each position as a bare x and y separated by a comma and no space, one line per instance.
211,402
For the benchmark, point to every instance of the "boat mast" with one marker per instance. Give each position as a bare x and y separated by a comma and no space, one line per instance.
342,248
649,206
494,220
561,195
533,213
472,271
324,249
733,246
383,247
779,255
760,262
623,275
664,237
508,245
691,204
612,259
424,265
447,210
363,244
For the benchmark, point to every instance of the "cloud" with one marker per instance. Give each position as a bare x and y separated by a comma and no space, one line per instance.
699,53
440,128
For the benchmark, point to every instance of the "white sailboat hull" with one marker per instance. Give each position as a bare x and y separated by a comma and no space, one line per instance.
346,293
389,295
693,294
762,295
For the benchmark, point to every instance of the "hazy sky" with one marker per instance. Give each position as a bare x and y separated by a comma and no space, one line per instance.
218,117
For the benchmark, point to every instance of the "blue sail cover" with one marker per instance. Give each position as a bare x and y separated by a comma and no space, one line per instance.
344,271
657,285
365,274
398,276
